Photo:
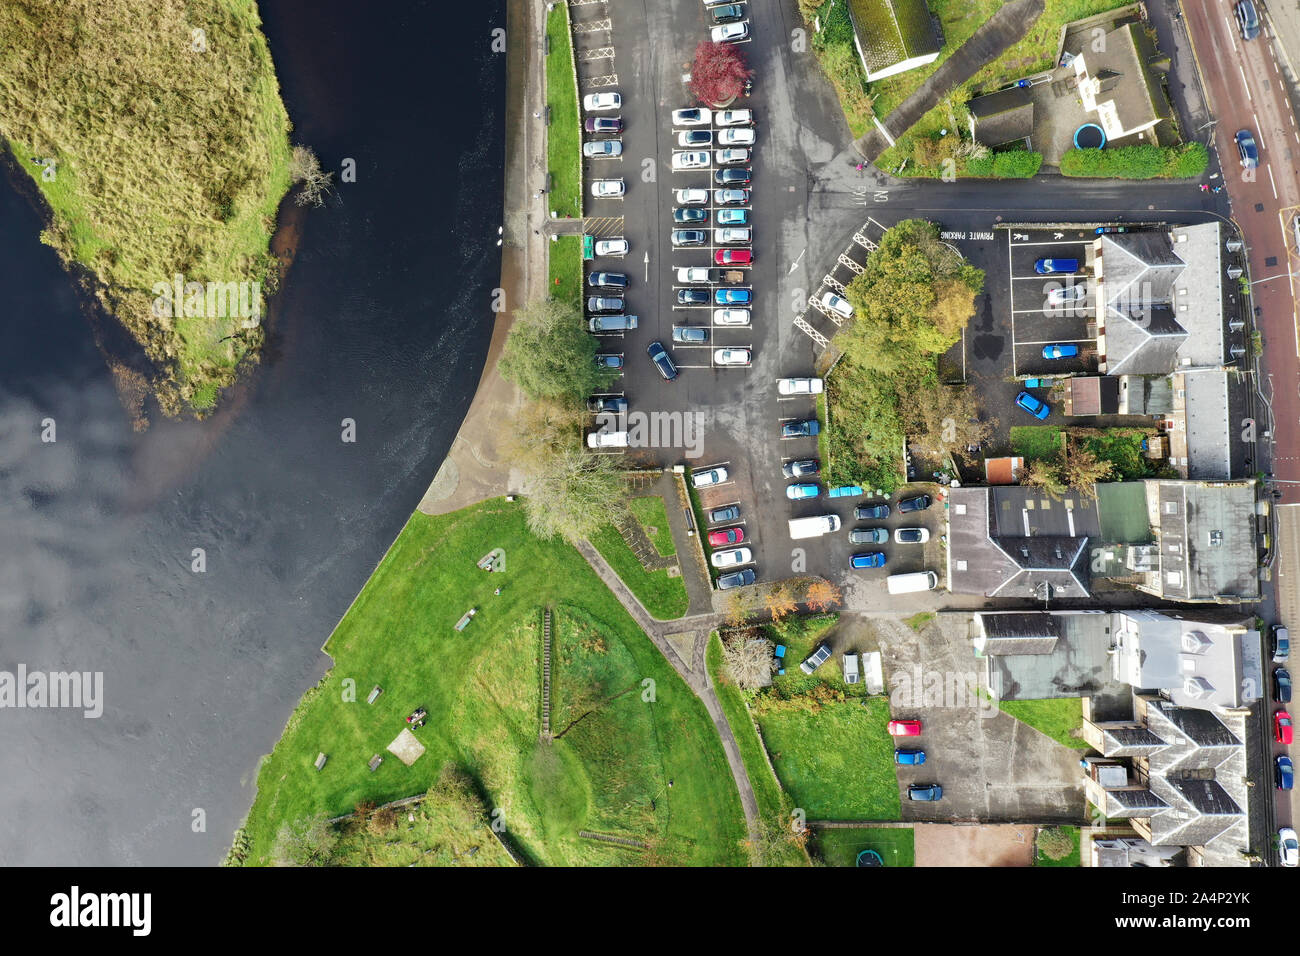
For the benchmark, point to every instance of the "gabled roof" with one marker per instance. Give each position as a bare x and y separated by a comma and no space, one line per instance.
891,31
1017,633
1138,272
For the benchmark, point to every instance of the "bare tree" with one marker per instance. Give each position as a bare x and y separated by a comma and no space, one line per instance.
309,841
304,169
748,659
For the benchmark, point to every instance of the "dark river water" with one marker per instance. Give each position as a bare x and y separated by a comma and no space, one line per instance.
384,319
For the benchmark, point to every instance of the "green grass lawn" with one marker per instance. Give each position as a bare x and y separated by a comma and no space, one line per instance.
801,635
653,516
840,847
774,805
664,597
564,135
565,266
1072,859
838,762
1034,442
610,772
1055,718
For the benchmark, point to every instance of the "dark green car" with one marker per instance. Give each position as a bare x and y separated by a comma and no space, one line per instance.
727,13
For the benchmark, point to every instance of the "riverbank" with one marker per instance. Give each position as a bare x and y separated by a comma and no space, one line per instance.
476,467
165,213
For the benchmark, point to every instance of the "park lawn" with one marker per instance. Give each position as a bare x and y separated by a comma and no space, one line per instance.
653,516
481,688
1056,718
774,805
1070,859
841,846
565,267
837,763
564,134
664,597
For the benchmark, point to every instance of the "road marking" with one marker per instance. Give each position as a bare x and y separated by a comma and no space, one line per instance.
1232,34
795,265
1054,341
1011,288
1269,167
1259,135
1242,69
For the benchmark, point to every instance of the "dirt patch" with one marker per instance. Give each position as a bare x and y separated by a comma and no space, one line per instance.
942,844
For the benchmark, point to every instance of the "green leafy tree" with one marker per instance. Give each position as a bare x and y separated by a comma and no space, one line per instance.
549,354
946,420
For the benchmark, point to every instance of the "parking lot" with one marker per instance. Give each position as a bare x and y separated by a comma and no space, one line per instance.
1038,320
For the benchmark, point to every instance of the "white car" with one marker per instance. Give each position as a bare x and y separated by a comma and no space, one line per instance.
693,274
734,117
731,197
611,247
729,157
1070,293
692,197
694,138
607,188
837,305
731,356
740,136
799,386
709,476
730,32
731,558
602,149
731,316
692,160
731,235
1287,848
695,116
599,102
607,440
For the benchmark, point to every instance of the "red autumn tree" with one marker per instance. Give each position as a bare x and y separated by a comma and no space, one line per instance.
719,72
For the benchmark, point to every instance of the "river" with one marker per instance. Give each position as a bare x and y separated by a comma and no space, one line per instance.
384,319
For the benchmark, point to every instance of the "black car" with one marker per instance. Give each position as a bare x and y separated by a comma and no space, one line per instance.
1247,19
659,355
607,280
607,405
690,214
868,512
692,296
727,13
1281,685
729,513
732,176
736,579
603,124
918,503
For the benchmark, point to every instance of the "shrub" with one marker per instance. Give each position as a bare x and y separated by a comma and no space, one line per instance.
1055,843
1137,162
1020,164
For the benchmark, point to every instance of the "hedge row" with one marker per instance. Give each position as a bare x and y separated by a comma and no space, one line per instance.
1019,164
1137,162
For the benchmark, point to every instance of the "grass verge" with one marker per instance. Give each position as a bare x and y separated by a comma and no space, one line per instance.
564,134
653,516
616,753
663,596
1061,718
565,266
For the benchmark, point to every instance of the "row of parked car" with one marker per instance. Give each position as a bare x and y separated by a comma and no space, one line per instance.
725,538
727,21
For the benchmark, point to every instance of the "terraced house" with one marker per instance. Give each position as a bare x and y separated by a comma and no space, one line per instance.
893,36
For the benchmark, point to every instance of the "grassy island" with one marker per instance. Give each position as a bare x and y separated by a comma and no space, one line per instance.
155,132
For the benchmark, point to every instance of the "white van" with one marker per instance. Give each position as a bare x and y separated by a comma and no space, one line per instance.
916,581
607,440
814,527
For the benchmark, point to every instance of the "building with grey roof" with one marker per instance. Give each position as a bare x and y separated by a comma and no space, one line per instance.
1206,542
1132,851
1177,774
893,36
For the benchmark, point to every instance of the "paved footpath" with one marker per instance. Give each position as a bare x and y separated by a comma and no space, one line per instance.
694,673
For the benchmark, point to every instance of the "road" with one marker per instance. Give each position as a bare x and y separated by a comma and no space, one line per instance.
1246,89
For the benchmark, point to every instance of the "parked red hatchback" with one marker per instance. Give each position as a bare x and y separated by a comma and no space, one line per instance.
905,728
1282,727
725,536
733,257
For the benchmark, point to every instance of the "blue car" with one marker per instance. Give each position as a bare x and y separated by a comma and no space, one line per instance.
1049,266
1285,774
797,492
928,792
909,757
1033,406
736,579
732,296
729,513
846,491
732,217
870,559
868,512
1060,351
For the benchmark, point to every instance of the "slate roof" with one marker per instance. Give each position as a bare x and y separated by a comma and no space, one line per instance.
891,31
1139,271
1003,117
1018,633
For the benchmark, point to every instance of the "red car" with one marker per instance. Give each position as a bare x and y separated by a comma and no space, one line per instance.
1282,727
733,257
724,536
905,728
